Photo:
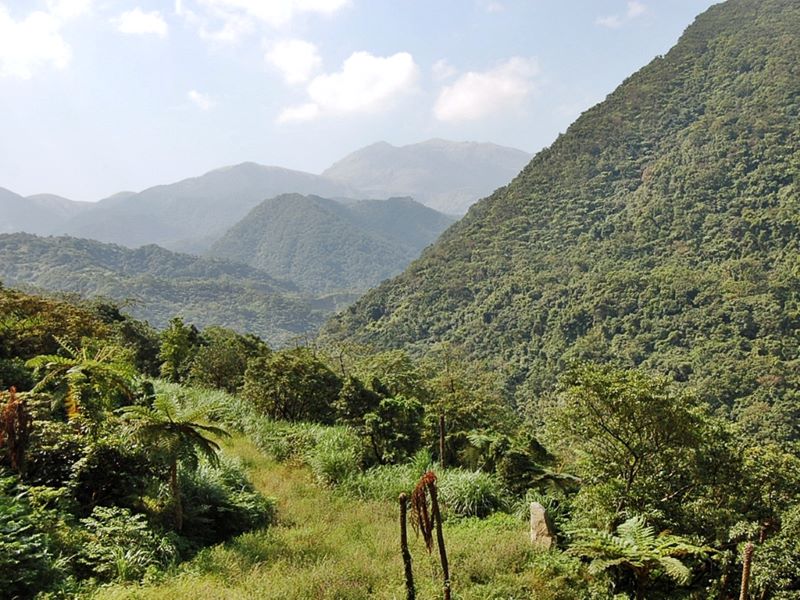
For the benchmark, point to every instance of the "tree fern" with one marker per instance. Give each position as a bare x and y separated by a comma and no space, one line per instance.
637,548
89,380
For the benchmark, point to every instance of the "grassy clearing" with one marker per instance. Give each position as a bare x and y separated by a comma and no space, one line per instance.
327,545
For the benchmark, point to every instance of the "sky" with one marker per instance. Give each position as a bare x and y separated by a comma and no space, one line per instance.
101,96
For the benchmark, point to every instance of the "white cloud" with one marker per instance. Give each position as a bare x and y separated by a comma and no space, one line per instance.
34,42
475,95
201,101
442,69
295,59
230,20
68,9
277,12
612,21
365,84
634,10
139,22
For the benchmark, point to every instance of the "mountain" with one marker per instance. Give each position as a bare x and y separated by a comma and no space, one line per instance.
156,284
447,176
36,214
661,230
190,214
323,245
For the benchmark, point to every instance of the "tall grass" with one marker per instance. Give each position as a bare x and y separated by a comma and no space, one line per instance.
328,545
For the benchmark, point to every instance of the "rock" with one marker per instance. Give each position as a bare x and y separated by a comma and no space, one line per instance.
542,535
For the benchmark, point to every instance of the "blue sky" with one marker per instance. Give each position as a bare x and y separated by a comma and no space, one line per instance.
99,96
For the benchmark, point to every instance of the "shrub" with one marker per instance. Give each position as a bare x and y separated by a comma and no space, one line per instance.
110,473
336,456
220,503
122,545
383,482
470,493
26,564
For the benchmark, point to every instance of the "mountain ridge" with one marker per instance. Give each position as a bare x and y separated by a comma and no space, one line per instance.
342,246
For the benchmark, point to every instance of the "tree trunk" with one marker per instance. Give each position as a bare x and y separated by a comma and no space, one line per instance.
747,562
441,441
437,517
410,593
176,495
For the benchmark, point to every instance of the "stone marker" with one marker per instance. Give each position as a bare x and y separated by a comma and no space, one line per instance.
542,535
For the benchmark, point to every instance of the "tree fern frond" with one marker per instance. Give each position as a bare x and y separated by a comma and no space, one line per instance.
675,569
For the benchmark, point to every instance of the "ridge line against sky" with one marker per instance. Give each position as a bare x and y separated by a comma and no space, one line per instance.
97,96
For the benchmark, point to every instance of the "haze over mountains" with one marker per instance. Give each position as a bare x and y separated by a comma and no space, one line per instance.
446,176
662,229
190,215
42,213
312,232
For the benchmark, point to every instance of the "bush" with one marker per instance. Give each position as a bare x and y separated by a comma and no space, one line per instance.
471,493
387,482
111,473
384,482
336,456
220,503
122,546
26,564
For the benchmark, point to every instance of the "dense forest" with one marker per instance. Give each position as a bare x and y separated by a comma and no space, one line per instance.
662,230
156,284
326,246
126,454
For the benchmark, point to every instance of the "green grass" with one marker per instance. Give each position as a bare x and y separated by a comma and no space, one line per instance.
328,545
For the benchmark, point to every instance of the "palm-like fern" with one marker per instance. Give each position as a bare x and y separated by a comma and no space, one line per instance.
638,549
175,435
89,379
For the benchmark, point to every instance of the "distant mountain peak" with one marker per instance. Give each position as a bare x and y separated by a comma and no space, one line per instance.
442,174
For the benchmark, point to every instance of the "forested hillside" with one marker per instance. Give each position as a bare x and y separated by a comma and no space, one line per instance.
323,245
156,284
661,230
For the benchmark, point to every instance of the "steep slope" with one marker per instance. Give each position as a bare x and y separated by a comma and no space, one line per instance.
190,214
42,213
156,284
323,245
447,176
662,229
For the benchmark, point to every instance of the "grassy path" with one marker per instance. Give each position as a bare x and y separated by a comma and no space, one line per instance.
326,545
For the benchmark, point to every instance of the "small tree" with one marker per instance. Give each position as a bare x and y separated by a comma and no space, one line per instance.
176,437
628,436
292,385
179,344
222,360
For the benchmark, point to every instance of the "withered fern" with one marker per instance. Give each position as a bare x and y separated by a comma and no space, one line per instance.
15,429
424,520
